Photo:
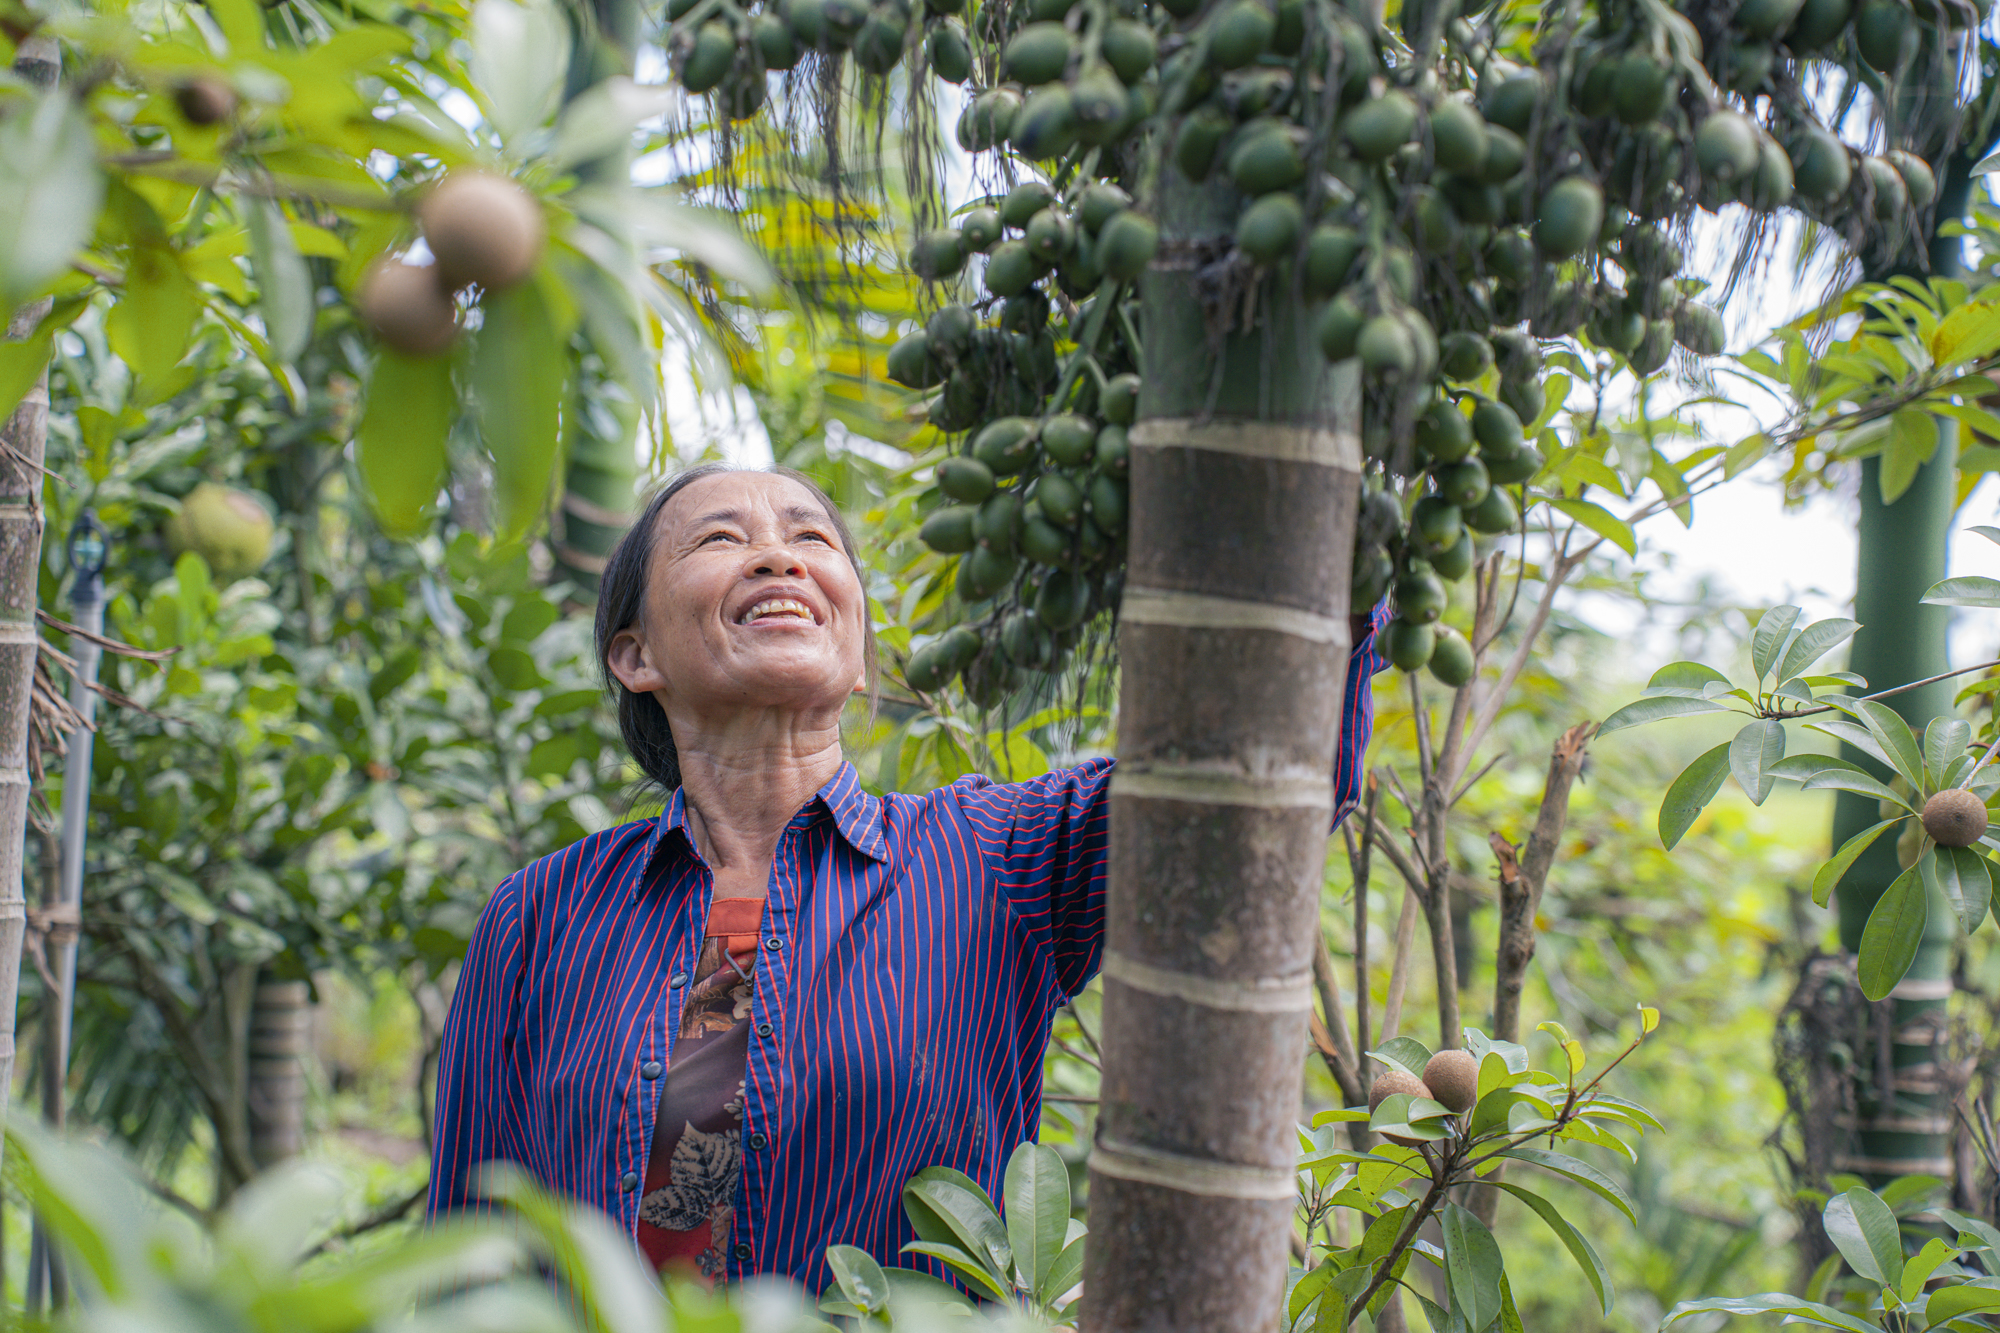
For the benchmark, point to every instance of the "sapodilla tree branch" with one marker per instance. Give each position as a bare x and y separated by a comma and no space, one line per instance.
1330,1037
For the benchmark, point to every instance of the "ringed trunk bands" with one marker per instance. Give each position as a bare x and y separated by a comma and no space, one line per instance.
1233,643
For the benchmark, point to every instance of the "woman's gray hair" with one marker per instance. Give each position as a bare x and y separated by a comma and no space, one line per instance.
621,600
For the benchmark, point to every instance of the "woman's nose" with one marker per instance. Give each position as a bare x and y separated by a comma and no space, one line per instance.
778,559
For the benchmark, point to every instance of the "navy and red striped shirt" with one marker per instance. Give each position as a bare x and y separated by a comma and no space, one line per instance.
914,951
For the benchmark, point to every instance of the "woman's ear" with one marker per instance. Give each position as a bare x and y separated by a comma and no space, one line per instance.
860,684
631,662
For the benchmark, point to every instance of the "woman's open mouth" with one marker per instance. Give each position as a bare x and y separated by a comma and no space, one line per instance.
777,608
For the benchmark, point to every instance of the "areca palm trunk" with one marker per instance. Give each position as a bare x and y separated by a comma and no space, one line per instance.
1233,647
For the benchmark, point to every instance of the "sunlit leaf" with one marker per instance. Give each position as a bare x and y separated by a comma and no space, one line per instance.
1967,590
1794,1308
1657,708
50,191
1601,521
1773,628
519,367
401,440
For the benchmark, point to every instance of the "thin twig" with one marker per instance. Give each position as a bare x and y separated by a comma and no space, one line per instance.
1399,967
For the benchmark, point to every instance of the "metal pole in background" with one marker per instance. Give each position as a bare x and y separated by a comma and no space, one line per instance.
86,562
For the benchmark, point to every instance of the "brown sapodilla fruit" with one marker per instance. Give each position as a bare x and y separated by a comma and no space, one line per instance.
406,307
1387,1086
205,100
1955,818
1393,1082
482,229
1453,1078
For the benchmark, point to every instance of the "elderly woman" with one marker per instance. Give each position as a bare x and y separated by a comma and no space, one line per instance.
739,1027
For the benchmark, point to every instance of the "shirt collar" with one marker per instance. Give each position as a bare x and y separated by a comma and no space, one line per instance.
855,813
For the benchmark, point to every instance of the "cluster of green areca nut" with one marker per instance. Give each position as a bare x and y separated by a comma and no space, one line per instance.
1444,212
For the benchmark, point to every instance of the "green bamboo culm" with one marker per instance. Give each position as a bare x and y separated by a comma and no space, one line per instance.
601,471
1903,1130
1900,550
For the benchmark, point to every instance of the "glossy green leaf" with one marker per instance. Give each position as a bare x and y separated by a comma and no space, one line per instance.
519,53
1893,735
1691,793
151,324
1065,1272
1773,628
1840,779
1967,590
1657,708
1582,1172
1945,742
1601,521
1867,1235
1913,442
1756,747
1573,1240
519,366
1917,1269
50,192
1685,676
1965,878
942,1209
401,443
1966,1298
975,1271
284,284
1852,733
1405,1053
1795,1310
1472,1266
1036,1202
1828,875
1974,1232
1814,642
861,1279
1895,928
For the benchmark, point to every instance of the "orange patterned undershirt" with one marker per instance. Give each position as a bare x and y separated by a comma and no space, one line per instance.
690,1191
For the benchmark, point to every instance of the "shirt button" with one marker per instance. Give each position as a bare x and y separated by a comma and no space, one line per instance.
651,1069
627,1183
763,1029
774,943
680,980
743,1253
758,1142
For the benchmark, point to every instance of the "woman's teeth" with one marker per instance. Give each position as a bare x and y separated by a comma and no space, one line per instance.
783,606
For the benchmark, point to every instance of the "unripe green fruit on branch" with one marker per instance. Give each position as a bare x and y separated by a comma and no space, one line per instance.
1955,818
227,528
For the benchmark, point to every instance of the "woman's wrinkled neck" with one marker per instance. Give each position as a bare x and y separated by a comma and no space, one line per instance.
743,778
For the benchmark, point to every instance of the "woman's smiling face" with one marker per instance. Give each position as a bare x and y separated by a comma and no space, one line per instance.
750,602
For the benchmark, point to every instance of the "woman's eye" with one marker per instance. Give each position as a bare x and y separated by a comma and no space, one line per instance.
716,537
814,536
